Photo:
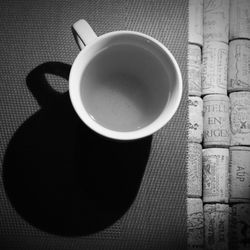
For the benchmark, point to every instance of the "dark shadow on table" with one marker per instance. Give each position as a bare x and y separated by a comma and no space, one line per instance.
59,175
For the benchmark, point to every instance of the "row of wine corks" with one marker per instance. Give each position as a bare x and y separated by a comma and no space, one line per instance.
219,174
219,68
218,182
218,20
218,226
220,121
219,30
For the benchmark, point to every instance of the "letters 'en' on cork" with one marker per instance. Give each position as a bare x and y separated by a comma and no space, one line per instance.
216,126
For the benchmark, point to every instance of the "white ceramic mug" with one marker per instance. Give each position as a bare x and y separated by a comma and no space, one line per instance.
124,85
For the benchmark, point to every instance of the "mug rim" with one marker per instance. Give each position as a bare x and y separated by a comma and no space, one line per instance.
75,97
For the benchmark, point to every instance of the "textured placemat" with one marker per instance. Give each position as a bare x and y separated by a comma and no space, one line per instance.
61,186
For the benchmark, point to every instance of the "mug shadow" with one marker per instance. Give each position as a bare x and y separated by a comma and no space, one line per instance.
62,177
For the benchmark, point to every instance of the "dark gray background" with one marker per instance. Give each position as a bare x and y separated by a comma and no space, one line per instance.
36,44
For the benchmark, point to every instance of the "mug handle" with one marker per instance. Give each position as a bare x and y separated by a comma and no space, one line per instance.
83,33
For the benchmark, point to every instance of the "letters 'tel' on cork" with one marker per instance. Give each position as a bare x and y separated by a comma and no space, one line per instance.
216,126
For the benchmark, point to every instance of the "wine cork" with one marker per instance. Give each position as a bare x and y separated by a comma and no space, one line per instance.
195,34
216,126
195,123
239,174
240,118
195,225
239,65
240,227
214,68
194,167
216,20
239,19
215,163
216,220
194,70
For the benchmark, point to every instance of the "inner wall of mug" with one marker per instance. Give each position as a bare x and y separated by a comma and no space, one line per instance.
128,83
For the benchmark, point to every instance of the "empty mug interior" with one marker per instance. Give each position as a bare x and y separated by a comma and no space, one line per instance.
128,85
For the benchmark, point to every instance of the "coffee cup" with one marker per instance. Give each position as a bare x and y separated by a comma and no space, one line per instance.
124,85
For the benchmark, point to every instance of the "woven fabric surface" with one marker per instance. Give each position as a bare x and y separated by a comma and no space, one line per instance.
137,199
